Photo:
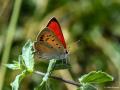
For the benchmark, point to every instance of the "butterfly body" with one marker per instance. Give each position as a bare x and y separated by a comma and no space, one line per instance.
50,42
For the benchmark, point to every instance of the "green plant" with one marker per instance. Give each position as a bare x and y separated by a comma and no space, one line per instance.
26,62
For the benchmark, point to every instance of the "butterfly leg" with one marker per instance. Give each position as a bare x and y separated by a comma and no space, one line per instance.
66,61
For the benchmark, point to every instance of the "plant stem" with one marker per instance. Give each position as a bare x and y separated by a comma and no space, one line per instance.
58,78
9,39
49,71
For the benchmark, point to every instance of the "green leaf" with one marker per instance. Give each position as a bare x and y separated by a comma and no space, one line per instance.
16,82
13,66
28,56
61,64
17,64
95,77
87,87
20,60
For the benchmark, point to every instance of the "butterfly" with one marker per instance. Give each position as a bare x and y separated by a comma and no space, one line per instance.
50,42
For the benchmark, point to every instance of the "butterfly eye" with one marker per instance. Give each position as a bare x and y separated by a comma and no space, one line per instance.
41,40
66,52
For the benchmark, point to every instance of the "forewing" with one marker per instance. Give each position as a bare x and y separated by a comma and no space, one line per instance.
54,26
48,45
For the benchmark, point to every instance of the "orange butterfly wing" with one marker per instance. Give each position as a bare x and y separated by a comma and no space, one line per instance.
48,46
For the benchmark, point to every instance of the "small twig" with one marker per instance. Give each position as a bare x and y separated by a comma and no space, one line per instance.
58,78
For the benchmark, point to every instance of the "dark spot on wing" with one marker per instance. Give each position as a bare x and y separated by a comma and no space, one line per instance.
53,40
46,39
41,37
41,40
56,44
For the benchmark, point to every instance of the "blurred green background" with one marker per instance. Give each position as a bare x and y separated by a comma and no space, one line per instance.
96,23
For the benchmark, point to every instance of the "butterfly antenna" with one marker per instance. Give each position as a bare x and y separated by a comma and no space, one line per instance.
74,43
